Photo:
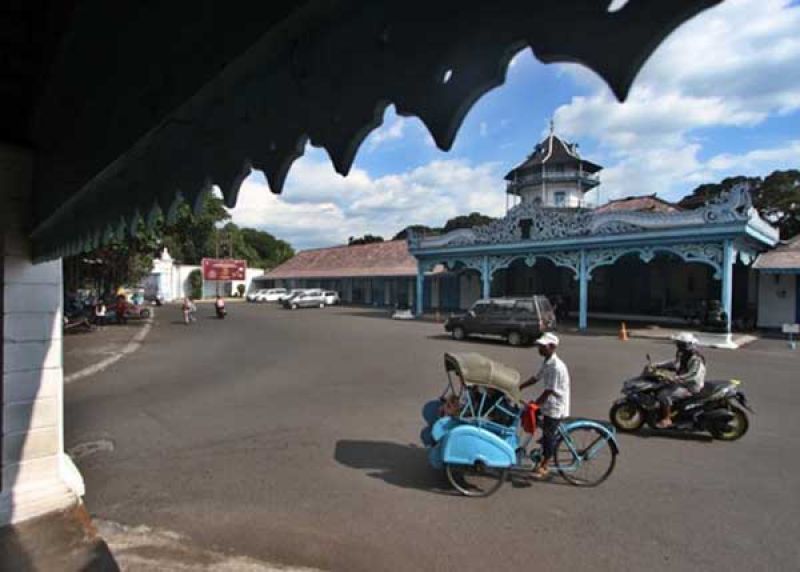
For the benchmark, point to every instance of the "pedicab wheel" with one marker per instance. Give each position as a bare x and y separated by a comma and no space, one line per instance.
735,429
476,480
593,458
626,416
145,314
459,333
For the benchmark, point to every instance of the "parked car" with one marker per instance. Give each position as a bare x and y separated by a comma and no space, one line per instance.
251,297
518,320
305,300
289,294
331,297
268,295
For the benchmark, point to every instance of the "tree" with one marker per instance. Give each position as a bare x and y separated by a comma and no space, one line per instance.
196,284
366,239
777,198
191,237
471,220
419,229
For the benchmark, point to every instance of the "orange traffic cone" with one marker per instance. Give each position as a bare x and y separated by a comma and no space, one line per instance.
623,332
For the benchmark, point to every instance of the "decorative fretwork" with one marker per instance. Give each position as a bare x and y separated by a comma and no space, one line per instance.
547,223
706,253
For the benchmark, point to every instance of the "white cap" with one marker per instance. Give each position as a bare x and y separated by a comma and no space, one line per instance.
686,338
547,339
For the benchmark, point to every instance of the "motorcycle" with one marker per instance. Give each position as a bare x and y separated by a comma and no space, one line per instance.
718,408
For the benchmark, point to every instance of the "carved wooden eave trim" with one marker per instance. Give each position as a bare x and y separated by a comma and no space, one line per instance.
326,75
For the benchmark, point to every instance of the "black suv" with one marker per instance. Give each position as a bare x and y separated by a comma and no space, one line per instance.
518,320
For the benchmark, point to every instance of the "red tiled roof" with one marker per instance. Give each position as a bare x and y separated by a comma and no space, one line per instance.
647,203
784,257
390,258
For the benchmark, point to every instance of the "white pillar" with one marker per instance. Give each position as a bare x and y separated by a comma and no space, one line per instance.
37,477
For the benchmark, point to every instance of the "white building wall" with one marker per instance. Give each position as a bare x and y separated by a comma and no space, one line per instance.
37,477
777,299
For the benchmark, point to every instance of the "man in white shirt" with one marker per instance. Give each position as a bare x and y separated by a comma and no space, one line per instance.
554,400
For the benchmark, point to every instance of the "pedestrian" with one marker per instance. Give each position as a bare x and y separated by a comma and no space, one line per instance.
100,313
554,400
121,308
187,309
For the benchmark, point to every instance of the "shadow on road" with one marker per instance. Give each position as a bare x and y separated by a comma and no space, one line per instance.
647,433
404,466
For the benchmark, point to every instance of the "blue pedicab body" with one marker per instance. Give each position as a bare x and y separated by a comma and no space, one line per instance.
472,437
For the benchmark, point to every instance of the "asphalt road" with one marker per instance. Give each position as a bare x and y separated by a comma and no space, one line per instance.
293,437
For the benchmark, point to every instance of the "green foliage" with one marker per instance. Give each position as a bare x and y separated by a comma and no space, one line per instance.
419,229
366,239
471,220
191,237
463,221
777,198
196,284
240,289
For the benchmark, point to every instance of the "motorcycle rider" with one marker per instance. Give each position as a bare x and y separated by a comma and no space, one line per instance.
690,368
220,306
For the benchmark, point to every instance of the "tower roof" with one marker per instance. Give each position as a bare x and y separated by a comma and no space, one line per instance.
553,151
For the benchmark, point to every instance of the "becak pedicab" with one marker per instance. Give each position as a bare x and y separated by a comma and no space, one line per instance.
479,430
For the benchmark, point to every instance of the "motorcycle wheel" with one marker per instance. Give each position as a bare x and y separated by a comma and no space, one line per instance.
734,430
476,480
626,416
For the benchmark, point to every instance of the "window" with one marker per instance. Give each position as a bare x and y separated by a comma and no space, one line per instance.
560,198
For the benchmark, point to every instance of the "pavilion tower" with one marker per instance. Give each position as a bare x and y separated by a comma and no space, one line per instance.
554,175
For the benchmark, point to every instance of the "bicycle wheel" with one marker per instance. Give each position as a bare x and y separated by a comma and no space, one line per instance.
585,457
476,480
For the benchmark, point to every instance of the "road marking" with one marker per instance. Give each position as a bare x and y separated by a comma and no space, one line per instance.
82,450
129,348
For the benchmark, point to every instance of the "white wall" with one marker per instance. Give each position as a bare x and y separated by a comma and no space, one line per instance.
777,296
37,477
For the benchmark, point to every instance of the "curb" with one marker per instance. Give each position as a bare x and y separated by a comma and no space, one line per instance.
129,348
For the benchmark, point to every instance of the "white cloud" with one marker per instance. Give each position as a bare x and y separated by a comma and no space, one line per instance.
786,156
389,131
732,66
321,208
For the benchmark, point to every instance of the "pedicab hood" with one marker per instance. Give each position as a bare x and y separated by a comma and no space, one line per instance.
477,369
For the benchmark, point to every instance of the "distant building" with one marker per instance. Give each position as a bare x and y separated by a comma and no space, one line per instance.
636,257
779,285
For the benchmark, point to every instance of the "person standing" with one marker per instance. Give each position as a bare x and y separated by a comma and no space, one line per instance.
100,313
121,308
554,400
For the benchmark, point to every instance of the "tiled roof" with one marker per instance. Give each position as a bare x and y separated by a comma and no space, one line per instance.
553,151
389,258
784,257
647,203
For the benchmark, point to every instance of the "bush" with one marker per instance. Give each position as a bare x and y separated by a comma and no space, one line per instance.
196,284
240,290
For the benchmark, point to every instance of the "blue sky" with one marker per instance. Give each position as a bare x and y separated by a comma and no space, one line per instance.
720,97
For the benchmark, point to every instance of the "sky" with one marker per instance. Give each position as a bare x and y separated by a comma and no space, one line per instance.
720,97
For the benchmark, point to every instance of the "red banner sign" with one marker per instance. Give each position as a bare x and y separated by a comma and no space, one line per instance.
224,269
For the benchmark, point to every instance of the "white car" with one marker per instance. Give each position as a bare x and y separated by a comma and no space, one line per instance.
267,295
311,299
255,294
331,297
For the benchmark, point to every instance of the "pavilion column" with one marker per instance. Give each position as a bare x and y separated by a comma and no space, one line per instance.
486,277
583,279
37,477
420,289
729,255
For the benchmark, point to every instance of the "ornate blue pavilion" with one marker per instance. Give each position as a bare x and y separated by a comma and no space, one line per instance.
582,240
